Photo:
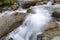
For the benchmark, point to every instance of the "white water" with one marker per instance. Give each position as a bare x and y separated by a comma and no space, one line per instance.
33,25
9,12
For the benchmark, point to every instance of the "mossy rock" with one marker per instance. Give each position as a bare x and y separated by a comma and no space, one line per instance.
50,34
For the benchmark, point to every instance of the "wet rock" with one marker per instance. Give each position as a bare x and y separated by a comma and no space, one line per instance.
11,39
57,0
5,8
20,16
29,10
56,14
5,22
15,6
45,2
28,4
50,34
52,25
39,3
10,22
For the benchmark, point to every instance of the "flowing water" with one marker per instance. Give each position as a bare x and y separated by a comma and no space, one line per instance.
34,24
8,12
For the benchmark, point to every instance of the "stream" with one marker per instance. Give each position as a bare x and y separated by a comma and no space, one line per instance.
34,24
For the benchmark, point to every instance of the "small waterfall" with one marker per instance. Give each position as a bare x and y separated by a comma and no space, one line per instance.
33,25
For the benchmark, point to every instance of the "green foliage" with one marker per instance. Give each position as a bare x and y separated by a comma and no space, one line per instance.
0,3
7,1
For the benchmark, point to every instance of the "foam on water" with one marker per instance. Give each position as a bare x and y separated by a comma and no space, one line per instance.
33,24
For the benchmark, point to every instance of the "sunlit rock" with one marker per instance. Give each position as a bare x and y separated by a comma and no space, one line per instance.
20,16
15,6
10,22
5,8
39,3
52,25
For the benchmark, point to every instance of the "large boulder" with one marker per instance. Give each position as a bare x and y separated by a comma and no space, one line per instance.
10,22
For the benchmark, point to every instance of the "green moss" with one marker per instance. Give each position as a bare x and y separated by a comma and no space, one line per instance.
7,1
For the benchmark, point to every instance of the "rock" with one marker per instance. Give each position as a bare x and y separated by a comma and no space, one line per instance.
57,0
39,3
52,25
56,38
15,6
20,16
28,4
11,39
29,10
45,2
57,3
10,22
56,14
50,34
5,8
5,22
